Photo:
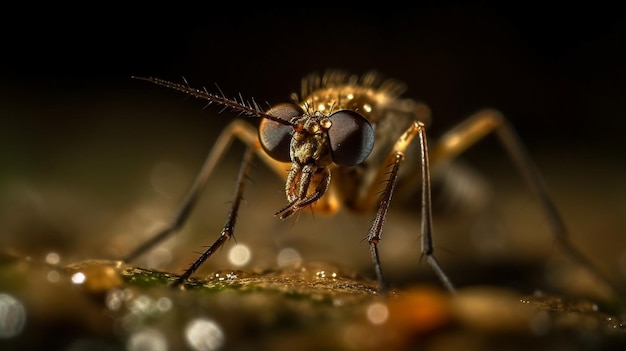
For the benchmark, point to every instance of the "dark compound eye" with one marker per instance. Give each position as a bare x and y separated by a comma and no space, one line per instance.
351,138
276,137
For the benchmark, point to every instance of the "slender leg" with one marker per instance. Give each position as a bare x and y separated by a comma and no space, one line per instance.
237,129
484,122
427,218
229,227
396,157
376,228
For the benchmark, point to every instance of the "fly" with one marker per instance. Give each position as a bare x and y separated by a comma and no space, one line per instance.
336,143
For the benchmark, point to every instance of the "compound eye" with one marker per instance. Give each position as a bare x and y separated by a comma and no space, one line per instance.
351,138
275,137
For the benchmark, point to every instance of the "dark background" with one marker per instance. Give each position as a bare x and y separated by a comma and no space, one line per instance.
77,129
552,69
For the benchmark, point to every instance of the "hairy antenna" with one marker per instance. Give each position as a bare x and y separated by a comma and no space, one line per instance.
244,108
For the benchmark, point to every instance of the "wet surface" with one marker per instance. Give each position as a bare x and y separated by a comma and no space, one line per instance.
109,305
264,290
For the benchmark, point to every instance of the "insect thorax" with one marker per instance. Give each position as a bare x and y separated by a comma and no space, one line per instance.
369,94
376,98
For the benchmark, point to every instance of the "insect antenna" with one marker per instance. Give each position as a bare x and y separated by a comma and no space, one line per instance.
243,107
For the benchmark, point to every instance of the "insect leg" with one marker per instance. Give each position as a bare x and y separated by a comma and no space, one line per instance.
487,121
237,129
229,226
395,158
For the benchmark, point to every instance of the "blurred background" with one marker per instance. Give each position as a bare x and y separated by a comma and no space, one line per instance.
92,161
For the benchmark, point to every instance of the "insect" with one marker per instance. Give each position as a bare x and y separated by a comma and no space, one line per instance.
337,144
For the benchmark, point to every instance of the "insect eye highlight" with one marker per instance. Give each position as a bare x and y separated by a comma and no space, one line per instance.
351,138
275,137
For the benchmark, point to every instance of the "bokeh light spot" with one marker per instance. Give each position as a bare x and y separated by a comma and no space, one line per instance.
78,278
288,257
377,313
239,255
12,316
204,335
147,339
